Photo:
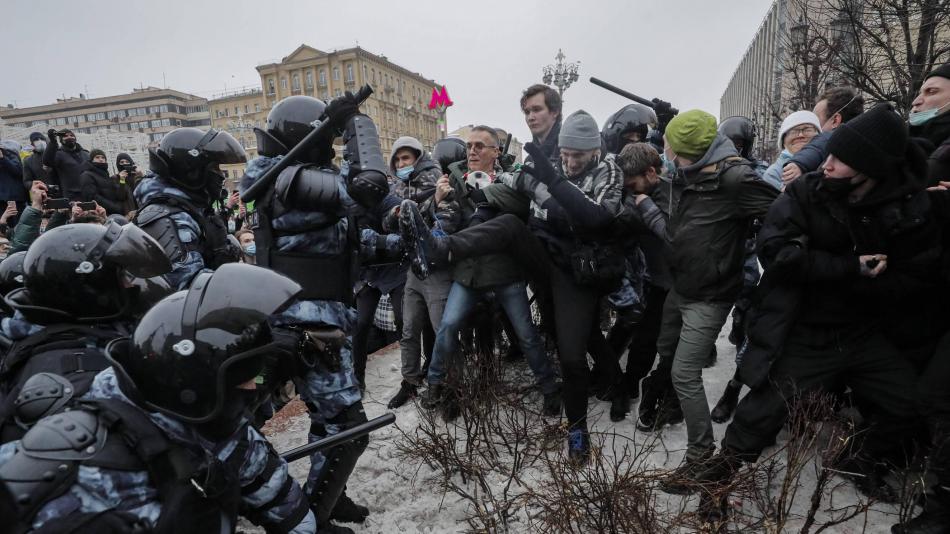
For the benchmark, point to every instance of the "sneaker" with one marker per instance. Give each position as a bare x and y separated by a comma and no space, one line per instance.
426,249
727,404
406,393
659,417
703,472
578,446
432,397
619,405
347,511
552,403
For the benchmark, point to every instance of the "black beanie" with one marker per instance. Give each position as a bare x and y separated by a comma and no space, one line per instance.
873,143
37,136
96,152
943,71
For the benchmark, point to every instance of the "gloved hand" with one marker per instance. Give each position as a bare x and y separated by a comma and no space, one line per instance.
543,171
341,108
51,135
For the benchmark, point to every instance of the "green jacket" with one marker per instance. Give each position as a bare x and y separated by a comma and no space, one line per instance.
710,224
490,269
27,228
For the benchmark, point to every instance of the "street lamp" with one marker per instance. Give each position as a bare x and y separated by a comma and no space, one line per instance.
561,74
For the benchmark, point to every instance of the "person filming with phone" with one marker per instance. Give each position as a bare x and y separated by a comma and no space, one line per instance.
67,159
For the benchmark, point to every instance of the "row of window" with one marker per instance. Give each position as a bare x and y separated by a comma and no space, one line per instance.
226,112
116,114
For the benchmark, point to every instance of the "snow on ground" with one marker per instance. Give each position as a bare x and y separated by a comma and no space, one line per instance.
407,498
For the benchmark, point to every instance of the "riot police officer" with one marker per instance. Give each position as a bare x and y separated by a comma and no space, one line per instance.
176,200
162,442
305,227
81,289
630,124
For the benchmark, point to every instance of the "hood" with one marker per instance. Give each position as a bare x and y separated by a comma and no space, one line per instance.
911,179
720,149
122,156
405,142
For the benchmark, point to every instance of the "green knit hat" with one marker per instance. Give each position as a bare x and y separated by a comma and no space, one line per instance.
691,133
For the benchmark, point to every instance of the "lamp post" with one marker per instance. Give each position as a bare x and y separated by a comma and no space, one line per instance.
561,74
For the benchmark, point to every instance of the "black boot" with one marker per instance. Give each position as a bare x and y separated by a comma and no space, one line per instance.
552,403
451,404
432,397
727,403
426,250
706,473
347,511
330,528
406,393
620,404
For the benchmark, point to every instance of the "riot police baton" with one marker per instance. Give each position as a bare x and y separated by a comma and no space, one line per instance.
337,439
656,103
265,181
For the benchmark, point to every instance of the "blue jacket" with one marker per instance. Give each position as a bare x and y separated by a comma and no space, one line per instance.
812,155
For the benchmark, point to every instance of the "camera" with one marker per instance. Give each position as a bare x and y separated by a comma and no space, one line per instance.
56,203
128,167
86,206
52,191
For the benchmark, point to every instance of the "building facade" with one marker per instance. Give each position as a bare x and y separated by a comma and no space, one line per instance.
238,113
398,106
150,111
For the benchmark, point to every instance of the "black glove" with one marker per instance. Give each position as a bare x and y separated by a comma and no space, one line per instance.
664,113
51,134
543,171
341,108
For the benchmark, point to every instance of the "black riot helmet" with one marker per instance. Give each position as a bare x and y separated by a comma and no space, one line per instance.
192,349
189,158
81,272
448,151
630,118
741,131
11,272
288,122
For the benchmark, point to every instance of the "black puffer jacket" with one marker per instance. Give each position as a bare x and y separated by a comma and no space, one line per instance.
68,165
104,189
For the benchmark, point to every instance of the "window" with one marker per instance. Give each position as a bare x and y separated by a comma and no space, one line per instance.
257,108
247,108
336,92
324,95
153,109
336,73
309,79
373,71
270,86
283,83
323,77
295,82
365,77
236,112
349,72
163,108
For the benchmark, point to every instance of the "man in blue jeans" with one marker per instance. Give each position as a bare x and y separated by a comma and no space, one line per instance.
476,278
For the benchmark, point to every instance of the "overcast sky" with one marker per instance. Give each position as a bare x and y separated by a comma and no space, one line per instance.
485,51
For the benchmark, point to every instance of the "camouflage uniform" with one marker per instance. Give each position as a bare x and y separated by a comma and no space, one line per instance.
101,489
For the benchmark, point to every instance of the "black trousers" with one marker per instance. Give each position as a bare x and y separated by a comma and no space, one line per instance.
640,338
366,302
826,359
933,403
572,307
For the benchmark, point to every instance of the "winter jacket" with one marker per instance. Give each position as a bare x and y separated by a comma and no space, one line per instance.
27,229
653,215
33,170
937,131
773,175
11,177
549,146
812,155
491,269
419,187
710,224
68,166
104,189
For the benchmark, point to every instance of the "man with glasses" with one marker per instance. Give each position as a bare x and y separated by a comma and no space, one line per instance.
835,107
463,192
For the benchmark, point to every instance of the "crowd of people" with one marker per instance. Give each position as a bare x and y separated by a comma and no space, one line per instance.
154,321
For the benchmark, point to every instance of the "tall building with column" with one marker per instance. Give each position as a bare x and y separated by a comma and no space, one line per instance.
399,105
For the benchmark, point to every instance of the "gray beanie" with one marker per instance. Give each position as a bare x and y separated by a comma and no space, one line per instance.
401,143
579,132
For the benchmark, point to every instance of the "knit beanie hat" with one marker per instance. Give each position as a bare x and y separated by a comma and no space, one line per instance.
691,133
579,132
943,71
795,119
873,143
37,136
96,152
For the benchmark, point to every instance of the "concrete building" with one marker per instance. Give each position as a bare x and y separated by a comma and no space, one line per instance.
238,112
150,110
399,105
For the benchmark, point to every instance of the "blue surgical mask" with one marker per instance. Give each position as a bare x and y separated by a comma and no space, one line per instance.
916,118
405,172
669,166
250,249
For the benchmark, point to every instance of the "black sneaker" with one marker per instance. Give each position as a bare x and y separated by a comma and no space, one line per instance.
727,404
578,446
347,511
406,393
619,405
426,250
657,418
552,403
432,397
701,473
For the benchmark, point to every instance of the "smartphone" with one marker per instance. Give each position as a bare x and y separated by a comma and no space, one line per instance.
11,203
86,206
56,203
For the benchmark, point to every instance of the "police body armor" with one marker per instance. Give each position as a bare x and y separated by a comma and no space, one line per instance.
213,246
44,373
197,494
316,189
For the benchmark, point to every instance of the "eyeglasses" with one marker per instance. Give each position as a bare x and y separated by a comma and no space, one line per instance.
478,147
803,130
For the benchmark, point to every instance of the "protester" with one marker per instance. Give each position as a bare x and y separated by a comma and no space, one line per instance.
541,105
796,131
11,176
248,248
836,106
33,167
930,119
66,162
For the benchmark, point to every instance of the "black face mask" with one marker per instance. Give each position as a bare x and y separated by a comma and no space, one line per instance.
840,187
103,166
69,143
